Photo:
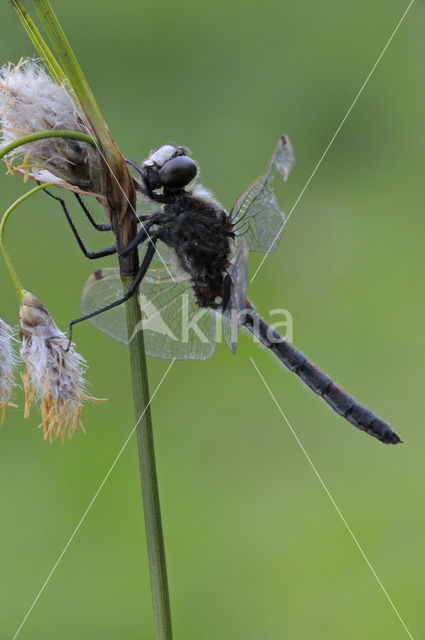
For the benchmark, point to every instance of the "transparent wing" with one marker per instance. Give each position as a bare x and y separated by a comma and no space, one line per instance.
102,287
174,326
256,213
165,256
238,273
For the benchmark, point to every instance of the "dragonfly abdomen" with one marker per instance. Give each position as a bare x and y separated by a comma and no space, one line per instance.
319,382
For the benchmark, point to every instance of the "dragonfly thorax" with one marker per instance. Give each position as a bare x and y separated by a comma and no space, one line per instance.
198,232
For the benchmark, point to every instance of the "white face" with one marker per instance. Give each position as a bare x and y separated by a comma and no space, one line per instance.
159,157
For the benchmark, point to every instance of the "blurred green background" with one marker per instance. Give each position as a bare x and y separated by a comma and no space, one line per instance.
255,548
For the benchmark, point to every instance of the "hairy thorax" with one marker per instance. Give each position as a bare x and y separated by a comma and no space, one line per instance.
200,234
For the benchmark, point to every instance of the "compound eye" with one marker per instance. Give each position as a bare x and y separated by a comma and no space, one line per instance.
178,172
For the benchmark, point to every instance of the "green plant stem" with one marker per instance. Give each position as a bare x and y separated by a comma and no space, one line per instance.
73,72
117,185
145,443
39,42
4,151
18,285
42,135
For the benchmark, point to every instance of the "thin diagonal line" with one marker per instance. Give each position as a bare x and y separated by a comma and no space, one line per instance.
333,138
124,194
128,201
319,477
83,119
90,505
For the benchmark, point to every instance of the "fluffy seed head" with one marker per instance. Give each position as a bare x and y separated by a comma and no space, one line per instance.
30,101
7,366
54,376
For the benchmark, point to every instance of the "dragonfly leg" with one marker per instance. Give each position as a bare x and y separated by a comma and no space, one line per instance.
150,252
92,255
141,236
99,227
135,166
144,186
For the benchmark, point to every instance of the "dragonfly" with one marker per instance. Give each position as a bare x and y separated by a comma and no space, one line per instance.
193,276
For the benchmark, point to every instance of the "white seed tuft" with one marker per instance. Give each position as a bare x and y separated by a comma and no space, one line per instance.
54,376
7,366
30,101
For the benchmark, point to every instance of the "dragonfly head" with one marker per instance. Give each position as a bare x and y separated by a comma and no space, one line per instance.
169,167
